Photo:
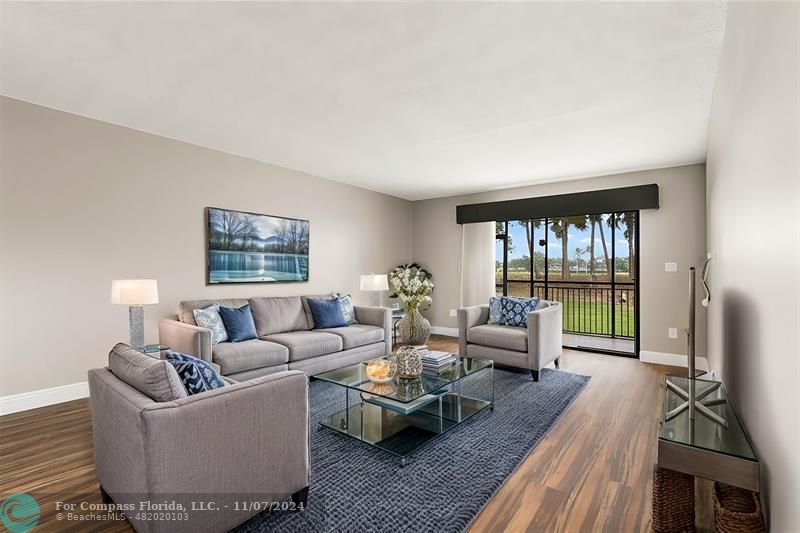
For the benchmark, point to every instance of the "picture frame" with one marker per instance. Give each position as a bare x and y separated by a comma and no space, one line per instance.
246,247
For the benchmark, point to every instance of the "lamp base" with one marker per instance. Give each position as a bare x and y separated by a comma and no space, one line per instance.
136,324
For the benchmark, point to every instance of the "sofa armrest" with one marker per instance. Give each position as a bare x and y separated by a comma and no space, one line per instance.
251,437
185,338
469,317
544,335
377,316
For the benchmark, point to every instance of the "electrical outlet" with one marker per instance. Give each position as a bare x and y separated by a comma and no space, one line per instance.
670,267
453,313
672,333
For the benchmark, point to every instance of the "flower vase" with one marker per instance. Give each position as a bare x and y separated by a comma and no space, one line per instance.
414,329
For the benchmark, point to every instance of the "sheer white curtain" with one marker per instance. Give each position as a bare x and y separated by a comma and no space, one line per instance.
477,263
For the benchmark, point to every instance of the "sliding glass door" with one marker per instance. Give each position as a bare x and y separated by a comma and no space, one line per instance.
588,263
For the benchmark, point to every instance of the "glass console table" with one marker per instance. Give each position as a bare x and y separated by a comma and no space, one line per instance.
702,447
402,415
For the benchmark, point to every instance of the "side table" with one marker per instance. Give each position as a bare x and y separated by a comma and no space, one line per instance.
155,351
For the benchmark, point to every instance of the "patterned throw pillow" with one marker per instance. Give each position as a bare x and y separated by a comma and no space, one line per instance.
495,312
209,318
196,375
515,310
347,308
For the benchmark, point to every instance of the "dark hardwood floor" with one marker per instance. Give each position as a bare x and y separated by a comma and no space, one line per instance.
592,472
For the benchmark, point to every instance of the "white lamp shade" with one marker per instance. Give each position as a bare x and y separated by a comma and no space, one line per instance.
134,291
374,282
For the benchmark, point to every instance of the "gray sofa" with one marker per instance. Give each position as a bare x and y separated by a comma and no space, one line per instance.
533,347
286,340
243,442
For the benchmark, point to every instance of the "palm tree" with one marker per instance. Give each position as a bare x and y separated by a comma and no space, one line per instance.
597,220
579,255
627,221
529,225
560,227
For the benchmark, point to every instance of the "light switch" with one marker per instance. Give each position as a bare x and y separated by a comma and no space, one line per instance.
670,267
672,333
453,313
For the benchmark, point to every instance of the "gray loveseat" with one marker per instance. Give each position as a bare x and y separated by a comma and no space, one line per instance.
245,442
286,340
533,347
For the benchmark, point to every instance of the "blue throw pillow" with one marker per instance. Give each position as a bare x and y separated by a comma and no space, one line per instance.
238,323
515,310
327,313
196,375
347,308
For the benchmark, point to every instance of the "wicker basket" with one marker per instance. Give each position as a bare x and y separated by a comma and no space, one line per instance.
673,501
737,510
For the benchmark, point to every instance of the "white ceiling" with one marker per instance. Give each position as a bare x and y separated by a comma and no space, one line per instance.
417,100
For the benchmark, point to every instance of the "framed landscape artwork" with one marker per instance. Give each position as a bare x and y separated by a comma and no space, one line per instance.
252,248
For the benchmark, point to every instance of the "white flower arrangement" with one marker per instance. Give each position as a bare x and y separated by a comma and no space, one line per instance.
412,284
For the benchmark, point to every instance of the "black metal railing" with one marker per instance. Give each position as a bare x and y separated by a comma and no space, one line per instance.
589,307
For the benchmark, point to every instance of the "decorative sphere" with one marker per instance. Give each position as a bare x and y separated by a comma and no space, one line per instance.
409,362
380,370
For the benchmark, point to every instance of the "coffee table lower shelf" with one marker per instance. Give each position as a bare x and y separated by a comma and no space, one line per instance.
403,434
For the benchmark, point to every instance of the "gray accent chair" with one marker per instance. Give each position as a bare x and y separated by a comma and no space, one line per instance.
286,340
246,441
533,347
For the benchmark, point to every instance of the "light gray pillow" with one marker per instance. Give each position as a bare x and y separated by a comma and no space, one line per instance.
210,319
346,302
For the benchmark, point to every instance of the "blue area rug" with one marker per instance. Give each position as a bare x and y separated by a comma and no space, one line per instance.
355,487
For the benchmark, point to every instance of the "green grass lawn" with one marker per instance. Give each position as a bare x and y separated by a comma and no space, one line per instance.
592,314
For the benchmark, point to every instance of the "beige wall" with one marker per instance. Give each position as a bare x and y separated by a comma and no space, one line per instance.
753,230
675,232
84,202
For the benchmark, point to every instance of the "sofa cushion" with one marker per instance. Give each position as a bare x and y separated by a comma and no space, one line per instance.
497,336
238,323
186,308
327,313
357,335
196,375
305,344
278,315
233,357
153,377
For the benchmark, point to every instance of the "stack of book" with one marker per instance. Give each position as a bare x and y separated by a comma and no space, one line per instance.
434,362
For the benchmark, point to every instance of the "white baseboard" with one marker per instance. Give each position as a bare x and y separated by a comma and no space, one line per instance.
43,397
441,330
671,359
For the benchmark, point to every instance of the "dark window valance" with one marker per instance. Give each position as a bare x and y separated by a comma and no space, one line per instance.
562,205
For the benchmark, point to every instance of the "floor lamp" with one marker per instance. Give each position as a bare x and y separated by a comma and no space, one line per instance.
695,401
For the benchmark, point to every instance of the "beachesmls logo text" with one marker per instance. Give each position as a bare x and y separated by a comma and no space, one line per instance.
19,513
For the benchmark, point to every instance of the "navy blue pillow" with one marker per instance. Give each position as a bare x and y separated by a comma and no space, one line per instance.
238,323
327,313
515,310
196,375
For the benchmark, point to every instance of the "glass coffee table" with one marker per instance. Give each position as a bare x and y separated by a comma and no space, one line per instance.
402,415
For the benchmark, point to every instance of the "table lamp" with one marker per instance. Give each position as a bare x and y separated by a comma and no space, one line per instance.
375,283
135,293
